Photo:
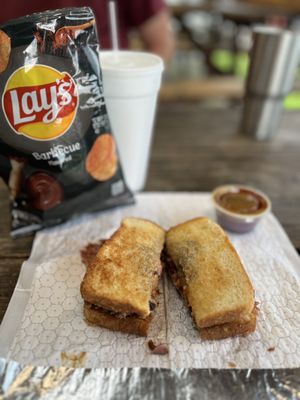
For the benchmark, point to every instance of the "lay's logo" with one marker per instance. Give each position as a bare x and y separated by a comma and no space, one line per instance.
40,102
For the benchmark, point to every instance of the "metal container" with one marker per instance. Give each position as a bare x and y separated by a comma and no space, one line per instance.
273,62
274,59
261,117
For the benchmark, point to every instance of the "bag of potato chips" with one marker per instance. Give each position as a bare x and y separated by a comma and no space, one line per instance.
57,154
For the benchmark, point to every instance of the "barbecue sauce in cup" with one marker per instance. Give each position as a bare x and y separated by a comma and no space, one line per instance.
242,201
239,208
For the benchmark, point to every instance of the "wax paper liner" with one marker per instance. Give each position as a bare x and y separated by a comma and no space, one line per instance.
52,323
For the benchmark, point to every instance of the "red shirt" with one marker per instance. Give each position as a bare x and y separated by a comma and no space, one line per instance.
131,13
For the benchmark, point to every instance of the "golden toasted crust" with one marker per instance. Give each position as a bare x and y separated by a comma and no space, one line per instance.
134,325
243,327
218,289
126,269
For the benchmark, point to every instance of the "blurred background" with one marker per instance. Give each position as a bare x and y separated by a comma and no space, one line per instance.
213,39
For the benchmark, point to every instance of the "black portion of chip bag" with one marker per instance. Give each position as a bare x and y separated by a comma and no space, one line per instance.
57,153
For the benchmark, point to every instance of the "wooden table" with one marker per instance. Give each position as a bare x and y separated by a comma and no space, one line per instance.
196,149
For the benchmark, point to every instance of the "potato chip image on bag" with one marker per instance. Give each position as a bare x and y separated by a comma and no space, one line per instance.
57,154
101,162
5,49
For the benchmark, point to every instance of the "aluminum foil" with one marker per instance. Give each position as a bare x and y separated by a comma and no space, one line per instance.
27,382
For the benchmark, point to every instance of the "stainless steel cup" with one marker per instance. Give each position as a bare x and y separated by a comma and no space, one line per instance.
273,61
261,116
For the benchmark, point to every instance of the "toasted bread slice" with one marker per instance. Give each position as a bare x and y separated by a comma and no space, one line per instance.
130,324
242,327
126,269
209,272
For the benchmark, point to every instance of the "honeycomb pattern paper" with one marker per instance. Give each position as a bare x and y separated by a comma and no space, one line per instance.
52,325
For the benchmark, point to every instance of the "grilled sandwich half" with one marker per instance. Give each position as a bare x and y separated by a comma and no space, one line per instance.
120,286
208,273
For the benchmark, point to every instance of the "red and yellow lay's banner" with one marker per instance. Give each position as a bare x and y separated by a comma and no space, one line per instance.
40,102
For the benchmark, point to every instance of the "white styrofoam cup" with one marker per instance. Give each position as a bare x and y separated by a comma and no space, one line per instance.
131,81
